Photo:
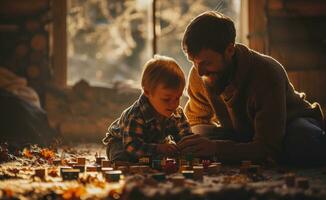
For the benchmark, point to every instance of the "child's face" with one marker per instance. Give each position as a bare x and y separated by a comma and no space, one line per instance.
164,100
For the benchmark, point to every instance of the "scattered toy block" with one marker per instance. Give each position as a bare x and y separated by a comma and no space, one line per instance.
106,163
91,168
81,161
113,176
70,174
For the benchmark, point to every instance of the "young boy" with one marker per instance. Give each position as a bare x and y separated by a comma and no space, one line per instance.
143,128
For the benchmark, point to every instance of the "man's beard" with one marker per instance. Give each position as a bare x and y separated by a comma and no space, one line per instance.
218,81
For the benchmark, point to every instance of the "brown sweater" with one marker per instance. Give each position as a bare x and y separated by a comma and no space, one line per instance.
260,100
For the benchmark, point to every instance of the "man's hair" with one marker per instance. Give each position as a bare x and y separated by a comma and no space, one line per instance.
162,70
211,30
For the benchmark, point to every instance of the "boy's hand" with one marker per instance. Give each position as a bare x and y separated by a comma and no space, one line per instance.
167,149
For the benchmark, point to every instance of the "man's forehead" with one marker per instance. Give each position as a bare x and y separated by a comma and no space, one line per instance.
171,93
198,59
201,55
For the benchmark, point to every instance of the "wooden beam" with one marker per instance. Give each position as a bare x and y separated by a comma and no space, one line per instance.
9,28
258,35
59,9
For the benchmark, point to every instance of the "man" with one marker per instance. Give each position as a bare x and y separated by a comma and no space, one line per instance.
248,94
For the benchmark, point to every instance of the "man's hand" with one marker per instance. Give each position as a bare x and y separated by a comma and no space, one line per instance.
167,149
197,145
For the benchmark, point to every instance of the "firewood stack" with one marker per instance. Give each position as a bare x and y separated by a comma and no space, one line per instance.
24,39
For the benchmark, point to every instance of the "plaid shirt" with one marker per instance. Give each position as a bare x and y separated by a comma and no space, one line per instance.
140,131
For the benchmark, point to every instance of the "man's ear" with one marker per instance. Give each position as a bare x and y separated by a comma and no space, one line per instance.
146,92
230,50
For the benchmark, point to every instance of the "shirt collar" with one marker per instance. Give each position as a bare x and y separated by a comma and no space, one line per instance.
146,108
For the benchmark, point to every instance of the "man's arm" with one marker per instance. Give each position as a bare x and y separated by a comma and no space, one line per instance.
269,124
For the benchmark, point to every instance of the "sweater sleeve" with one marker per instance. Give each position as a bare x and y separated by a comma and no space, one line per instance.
198,110
269,124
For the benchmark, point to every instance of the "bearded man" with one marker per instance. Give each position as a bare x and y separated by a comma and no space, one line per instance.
242,105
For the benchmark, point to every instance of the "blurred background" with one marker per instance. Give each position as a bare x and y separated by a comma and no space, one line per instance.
110,40
84,58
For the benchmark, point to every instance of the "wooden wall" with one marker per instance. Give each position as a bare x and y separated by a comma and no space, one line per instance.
24,39
293,32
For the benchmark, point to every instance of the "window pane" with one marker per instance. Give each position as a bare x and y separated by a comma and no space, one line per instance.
107,39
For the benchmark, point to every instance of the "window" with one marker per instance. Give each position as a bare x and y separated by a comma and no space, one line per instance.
110,40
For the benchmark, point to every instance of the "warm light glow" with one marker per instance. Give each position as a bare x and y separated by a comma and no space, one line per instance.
143,4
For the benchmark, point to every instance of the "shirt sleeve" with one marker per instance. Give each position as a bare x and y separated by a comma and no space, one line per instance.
133,138
113,131
197,109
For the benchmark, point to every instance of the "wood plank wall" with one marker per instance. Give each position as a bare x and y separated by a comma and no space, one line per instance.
293,32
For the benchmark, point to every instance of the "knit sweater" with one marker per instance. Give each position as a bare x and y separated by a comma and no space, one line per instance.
259,100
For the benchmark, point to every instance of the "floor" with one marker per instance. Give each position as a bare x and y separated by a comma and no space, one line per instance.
19,180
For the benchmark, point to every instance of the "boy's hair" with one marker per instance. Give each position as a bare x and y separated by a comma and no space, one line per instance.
162,70
211,30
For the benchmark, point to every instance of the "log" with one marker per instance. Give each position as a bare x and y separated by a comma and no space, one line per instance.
22,7
32,25
39,42
33,71
21,50
37,56
9,28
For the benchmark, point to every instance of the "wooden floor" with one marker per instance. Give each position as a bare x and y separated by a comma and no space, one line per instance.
18,180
